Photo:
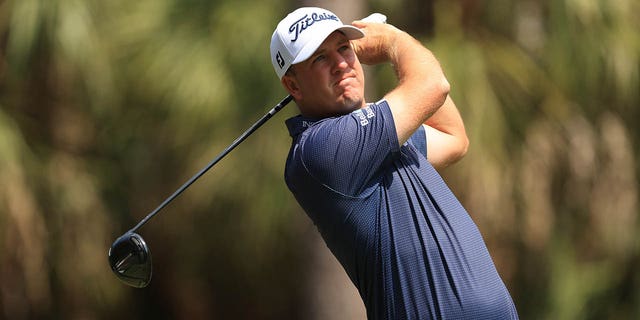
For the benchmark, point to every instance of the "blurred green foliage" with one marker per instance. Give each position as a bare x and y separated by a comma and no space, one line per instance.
106,107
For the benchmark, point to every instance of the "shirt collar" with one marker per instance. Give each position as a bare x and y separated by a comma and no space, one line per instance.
299,124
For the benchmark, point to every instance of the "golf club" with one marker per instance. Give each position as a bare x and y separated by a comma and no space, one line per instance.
129,255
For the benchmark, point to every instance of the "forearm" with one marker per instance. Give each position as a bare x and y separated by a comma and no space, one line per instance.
447,119
419,72
422,87
446,136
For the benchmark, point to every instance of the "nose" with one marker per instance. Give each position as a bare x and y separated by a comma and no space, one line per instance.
340,62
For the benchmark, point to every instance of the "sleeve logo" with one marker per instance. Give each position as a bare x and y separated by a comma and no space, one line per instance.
364,115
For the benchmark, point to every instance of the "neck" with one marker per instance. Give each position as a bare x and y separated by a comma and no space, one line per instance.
315,113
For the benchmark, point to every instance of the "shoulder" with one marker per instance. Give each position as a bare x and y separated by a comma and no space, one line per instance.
344,152
363,126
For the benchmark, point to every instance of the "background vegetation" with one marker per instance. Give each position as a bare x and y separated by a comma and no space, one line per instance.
106,107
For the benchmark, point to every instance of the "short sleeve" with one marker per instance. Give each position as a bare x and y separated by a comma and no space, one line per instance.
345,153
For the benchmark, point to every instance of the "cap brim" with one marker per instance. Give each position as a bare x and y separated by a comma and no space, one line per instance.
351,32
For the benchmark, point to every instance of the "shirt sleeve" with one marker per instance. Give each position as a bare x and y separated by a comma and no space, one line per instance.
347,153
419,140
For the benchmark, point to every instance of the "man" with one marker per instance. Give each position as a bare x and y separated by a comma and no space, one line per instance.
364,173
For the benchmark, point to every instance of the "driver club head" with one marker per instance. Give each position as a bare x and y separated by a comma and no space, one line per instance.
130,260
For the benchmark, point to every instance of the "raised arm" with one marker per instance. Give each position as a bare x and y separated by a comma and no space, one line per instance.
422,87
447,140
422,95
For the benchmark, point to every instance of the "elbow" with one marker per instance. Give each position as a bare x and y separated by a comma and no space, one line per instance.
440,91
431,90
464,146
459,150
445,87
462,141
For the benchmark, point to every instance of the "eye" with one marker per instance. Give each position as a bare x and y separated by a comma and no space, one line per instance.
344,48
319,58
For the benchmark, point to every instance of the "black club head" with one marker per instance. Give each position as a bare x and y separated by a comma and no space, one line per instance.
130,260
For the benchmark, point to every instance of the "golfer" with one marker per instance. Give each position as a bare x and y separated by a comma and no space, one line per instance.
364,172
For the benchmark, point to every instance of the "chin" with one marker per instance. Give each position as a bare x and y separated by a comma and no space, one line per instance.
352,103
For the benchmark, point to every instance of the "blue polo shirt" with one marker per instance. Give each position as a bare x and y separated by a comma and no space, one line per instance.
401,235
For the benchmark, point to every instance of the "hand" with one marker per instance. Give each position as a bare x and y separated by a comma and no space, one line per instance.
378,44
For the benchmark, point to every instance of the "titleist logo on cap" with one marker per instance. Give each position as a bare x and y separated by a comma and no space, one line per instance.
305,22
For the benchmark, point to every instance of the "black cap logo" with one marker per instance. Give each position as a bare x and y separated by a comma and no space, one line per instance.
279,60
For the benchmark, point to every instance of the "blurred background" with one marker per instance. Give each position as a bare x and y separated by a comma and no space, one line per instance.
106,107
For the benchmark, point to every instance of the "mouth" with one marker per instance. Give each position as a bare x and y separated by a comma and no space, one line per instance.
344,81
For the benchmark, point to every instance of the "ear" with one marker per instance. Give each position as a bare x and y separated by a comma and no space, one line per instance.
291,84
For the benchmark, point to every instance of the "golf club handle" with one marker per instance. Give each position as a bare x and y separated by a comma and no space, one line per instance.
235,143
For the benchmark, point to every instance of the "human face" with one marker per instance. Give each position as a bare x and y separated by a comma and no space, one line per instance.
330,82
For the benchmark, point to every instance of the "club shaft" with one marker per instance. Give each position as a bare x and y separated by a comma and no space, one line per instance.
235,143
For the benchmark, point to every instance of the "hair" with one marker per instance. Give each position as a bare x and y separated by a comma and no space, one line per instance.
290,72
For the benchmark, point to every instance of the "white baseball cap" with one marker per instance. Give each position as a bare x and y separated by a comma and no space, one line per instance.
300,34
